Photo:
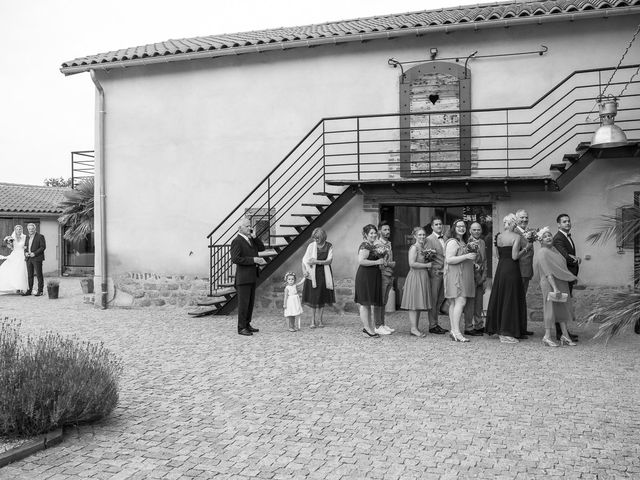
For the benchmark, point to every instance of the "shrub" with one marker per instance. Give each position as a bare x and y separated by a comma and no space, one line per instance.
51,381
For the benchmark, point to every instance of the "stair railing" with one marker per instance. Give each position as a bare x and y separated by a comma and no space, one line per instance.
503,142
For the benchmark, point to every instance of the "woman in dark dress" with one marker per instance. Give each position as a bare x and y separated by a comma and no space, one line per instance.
507,310
369,279
318,285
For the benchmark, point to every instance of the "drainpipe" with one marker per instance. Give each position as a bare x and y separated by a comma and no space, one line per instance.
99,159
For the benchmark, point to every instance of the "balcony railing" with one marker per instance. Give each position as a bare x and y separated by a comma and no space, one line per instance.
82,166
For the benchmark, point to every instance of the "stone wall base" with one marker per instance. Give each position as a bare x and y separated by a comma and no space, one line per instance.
150,289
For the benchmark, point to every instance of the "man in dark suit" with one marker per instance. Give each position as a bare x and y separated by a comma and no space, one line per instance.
564,244
34,247
526,260
435,241
244,253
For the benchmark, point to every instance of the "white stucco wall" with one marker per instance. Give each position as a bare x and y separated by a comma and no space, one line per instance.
186,141
596,192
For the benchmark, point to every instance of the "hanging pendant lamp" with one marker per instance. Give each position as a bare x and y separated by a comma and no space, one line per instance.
608,135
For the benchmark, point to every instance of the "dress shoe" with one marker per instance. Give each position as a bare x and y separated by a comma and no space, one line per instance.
528,333
574,338
566,341
26,294
39,294
438,330
372,335
245,332
522,337
472,333
479,331
253,330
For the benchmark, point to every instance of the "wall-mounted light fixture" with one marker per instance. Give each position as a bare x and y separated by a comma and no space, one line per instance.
434,53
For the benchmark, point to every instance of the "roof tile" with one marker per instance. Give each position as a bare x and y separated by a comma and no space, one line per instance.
25,199
488,12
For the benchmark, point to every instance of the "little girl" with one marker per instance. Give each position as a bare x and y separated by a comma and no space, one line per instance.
291,304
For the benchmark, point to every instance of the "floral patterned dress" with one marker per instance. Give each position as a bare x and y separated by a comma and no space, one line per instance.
459,278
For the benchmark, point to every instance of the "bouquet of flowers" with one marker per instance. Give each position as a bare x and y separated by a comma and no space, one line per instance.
472,247
8,240
379,251
429,254
531,234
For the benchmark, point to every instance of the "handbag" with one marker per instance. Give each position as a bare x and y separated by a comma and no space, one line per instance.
561,298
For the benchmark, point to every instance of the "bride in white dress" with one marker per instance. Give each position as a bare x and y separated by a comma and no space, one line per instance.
13,271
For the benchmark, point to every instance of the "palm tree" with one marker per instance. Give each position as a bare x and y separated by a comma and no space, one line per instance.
622,310
77,211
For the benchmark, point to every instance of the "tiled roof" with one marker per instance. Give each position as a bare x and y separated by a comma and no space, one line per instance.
350,30
15,198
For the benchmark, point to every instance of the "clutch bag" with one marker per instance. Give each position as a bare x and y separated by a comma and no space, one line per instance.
562,298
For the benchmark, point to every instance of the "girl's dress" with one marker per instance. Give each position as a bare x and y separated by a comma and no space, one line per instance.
319,296
507,310
416,294
369,280
294,307
459,278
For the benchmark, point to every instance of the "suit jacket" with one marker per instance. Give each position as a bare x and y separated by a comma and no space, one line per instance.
438,261
38,247
526,260
563,245
480,275
242,254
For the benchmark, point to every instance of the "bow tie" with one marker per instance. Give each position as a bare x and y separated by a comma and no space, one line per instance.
439,237
569,235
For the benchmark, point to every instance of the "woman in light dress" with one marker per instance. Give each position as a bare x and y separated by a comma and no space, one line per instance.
13,271
416,294
554,281
459,283
318,290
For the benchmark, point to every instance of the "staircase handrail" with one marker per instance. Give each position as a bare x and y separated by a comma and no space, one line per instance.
397,114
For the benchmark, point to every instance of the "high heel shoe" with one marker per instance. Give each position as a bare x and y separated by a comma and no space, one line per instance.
462,338
372,335
547,342
567,341
453,337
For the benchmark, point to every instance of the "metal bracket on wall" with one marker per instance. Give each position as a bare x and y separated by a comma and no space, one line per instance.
396,63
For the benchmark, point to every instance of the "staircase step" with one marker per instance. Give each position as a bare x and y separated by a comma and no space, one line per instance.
561,167
211,301
299,227
202,311
582,146
571,157
320,206
287,236
224,292
226,286
309,216
329,195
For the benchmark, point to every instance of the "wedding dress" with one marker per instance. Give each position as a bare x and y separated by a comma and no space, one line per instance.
13,271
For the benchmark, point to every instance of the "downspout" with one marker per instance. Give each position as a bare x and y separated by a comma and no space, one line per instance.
99,158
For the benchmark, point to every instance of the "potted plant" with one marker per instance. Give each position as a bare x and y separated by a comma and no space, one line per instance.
53,287
87,285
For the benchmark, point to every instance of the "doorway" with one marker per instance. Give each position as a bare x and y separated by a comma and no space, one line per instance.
403,218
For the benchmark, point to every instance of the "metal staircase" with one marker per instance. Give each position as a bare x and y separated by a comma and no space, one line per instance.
327,167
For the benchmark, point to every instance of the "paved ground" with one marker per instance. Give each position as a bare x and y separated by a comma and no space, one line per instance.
199,401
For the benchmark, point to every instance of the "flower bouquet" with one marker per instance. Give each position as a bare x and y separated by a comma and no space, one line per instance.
8,240
379,251
429,254
531,234
472,247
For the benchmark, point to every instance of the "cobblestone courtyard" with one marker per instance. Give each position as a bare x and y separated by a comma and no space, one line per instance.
199,401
